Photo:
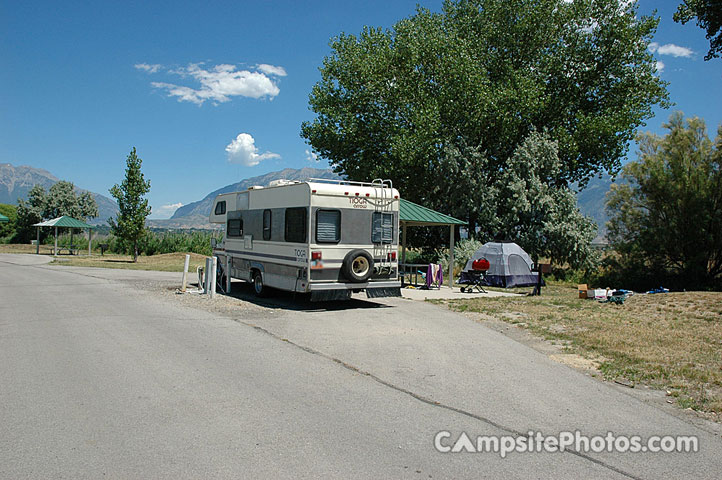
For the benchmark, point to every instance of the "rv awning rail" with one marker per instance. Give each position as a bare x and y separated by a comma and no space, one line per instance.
376,183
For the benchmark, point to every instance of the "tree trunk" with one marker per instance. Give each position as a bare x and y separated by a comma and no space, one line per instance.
135,251
472,224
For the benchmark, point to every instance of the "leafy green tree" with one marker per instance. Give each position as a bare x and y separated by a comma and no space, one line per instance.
30,212
441,103
7,230
61,199
666,217
709,17
133,207
524,204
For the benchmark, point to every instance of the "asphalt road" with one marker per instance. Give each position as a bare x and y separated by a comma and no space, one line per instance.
103,375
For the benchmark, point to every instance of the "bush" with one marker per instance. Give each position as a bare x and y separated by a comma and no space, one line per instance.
417,256
151,243
154,243
462,253
7,230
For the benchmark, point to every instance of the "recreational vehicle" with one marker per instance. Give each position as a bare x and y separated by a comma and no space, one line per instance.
323,237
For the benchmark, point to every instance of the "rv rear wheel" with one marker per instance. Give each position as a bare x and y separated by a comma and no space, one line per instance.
358,266
258,288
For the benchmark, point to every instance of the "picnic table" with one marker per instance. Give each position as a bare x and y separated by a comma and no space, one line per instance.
72,249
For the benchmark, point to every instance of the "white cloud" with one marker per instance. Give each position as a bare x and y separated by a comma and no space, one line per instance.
243,150
272,69
222,82
166,210
148,68
670,49
311,156
660,67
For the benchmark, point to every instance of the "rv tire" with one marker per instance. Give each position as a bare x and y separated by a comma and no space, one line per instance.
358,265
258,287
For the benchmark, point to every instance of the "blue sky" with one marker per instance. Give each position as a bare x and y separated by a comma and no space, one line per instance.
213,92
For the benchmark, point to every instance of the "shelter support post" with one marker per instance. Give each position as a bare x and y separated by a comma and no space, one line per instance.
403,244
37,242
451,256
55,250
72,244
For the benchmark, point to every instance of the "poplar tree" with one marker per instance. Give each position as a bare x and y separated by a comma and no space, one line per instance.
133,207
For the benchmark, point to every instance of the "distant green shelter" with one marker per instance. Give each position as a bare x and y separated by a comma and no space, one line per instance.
64,222
3,218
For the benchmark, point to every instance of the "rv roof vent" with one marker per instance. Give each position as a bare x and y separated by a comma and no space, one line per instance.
255,187
281,181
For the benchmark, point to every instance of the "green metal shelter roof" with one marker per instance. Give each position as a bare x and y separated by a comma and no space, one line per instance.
64,221
3,218
413,214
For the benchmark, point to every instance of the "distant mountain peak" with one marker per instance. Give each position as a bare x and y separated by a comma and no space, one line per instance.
16,182
201,209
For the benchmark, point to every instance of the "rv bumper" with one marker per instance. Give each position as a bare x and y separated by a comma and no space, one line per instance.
342,291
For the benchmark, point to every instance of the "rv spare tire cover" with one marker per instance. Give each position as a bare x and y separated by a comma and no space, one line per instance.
358,265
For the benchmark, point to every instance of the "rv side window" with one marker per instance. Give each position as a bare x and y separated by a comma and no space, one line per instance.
234,228
220,208
328,226
266,224
296,225
382,227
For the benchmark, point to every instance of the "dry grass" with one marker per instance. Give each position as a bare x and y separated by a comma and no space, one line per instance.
25,248
169,262
670,341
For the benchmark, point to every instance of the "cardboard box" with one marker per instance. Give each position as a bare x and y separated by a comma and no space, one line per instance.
598,293
583,290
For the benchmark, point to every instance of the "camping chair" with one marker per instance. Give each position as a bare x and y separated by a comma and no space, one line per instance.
474,278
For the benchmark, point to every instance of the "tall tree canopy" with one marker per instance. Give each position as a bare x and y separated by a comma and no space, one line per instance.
709,17
133,207
441,103
60,199
667,217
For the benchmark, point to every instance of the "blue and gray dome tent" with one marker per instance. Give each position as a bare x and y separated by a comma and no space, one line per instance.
509,266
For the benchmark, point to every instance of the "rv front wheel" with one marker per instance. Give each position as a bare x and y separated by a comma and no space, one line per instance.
358,266
258,288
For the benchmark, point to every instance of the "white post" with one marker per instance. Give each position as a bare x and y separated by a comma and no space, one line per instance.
228,275
185,273
55,251
214,268
451,256
403,244
207,272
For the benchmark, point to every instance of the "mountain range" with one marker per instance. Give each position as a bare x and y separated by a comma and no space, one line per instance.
195,215
591,202
16,182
